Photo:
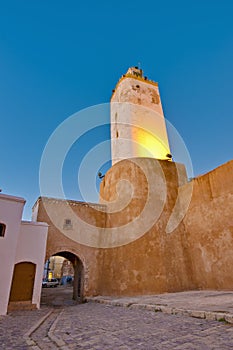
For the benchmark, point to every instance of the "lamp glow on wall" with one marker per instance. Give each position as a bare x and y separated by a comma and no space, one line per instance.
148,145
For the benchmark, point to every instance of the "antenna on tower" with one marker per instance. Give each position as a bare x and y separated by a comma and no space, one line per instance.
140,69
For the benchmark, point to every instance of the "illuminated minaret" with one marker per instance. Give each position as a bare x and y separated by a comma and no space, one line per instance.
138,126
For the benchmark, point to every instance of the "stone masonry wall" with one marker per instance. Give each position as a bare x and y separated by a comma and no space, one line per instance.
136,253
196,255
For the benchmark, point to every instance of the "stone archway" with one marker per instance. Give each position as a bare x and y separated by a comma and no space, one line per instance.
78,284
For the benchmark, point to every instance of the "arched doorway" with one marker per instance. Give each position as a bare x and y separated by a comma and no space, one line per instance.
78,273
23,282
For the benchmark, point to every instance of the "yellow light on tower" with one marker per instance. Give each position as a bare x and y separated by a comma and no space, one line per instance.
148,145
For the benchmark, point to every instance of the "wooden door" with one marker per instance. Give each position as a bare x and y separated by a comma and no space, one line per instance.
23,282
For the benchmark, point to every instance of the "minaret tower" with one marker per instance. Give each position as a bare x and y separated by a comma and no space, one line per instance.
138,126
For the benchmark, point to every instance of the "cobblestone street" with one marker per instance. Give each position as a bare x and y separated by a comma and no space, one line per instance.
93,326
100,326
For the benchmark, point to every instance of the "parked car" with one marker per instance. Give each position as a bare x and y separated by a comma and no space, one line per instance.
52,283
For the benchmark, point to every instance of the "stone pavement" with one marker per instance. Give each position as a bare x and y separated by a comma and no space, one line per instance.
106,327
13,327
213,305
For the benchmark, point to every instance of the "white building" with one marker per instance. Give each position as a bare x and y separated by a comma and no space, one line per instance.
22,254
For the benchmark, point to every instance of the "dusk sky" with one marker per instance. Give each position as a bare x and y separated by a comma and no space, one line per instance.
59,57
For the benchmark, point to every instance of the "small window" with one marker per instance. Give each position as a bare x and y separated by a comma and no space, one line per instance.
67,224
2,229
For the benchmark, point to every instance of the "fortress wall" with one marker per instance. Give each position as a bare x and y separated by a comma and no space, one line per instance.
196,255
209,229
156,262
134,253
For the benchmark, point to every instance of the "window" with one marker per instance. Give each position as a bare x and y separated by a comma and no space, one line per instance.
67,224
2,229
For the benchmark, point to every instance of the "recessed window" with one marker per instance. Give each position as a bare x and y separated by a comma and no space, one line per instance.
2,229
67,224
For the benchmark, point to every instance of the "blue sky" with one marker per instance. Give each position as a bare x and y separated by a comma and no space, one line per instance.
58,57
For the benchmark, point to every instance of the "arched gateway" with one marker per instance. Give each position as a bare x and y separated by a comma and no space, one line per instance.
78,266
63,240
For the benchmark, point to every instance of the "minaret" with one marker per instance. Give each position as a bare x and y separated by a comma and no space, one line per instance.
138,126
